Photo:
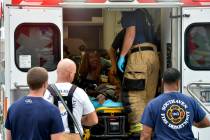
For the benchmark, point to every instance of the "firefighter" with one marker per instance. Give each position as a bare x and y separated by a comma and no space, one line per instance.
75,98
139,38
172,114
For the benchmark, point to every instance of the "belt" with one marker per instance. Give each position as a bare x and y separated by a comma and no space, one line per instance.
137,49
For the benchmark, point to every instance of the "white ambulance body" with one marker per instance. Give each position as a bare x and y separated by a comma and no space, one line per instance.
35,35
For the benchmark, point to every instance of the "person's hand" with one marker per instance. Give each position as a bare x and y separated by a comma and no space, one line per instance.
101,98
121,63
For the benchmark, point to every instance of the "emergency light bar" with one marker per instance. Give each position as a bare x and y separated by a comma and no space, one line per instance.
36,2
113,3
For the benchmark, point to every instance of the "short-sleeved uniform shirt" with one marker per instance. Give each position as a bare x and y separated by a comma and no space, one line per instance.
136,18
33,118
171,115
129,19
80,102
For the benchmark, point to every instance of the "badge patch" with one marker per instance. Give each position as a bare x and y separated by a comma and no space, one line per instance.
174,114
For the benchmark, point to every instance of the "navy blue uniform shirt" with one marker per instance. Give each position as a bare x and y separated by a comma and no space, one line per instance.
33,118
171,115
139,18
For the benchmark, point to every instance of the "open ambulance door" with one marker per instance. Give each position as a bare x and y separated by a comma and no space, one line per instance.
196,58
34,38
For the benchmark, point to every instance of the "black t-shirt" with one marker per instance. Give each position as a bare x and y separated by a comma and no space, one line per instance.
118,42
117,46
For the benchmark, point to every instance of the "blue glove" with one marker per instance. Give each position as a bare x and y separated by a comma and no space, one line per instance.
121,63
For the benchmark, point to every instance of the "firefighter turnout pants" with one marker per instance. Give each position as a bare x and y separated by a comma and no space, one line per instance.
143,63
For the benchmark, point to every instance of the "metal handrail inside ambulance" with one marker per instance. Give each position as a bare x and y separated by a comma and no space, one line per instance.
199,85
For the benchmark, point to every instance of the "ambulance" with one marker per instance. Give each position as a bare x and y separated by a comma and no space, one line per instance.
36,31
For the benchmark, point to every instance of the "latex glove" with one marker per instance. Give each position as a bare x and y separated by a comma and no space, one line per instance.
121,63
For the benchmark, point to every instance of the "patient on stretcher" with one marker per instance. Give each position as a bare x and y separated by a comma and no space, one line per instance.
94,78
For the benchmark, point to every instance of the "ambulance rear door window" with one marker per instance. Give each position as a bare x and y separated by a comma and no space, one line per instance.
37,44
197,45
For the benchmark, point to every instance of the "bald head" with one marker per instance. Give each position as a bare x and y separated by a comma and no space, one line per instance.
66,70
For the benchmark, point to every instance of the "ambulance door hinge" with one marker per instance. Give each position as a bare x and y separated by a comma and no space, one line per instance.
179,16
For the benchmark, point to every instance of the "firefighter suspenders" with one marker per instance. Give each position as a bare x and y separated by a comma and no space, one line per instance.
69,104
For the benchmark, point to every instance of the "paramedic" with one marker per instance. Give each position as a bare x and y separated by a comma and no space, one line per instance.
82,108
172,114
138,37
26,119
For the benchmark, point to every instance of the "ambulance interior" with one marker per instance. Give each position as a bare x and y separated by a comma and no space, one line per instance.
95,30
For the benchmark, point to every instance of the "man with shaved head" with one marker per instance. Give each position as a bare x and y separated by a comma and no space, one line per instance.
76,98
66,70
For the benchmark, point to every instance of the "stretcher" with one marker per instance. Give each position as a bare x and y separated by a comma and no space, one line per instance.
112,122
